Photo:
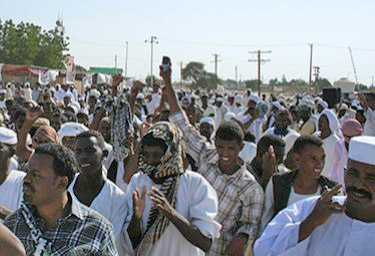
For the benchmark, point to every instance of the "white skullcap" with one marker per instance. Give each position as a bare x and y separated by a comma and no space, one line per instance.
84,111
254,97
208,120
238,99
323,104
362,149
344,107
230,95
71,129
210,110
307,101
229,116
219,99
95,93
140,96
3,91
75,106
8,136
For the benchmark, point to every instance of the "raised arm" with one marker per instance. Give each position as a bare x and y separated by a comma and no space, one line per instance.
23,151
194,143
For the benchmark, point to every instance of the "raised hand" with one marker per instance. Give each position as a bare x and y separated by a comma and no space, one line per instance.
139,202
269,163
324,208
166,75
160,202
32,116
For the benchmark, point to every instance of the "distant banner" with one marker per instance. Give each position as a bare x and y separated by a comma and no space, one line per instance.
48,76
70,77
87,80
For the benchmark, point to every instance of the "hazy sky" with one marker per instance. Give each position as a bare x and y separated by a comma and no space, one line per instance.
195,30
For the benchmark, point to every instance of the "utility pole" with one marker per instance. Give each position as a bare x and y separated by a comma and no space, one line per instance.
181,66
355,71
260,61
116,63
316,75
310,68
236,74
126,60
216,61
152,41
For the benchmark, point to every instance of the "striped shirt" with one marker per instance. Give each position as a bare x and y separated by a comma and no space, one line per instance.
82,232
240,196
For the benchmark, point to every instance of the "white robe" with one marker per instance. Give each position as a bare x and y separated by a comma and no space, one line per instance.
339,236
248,152
289,139
369,127
196,201
340,160
11,190
269,202
120,176
110,202
256,127
329,145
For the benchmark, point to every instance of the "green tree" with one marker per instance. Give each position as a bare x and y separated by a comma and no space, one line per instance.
252,84
322,83
28,44
80,68
195,73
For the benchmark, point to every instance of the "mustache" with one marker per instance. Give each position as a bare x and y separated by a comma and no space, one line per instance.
356,190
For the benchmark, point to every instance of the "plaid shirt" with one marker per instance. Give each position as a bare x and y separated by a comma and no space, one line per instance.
240,196
82,232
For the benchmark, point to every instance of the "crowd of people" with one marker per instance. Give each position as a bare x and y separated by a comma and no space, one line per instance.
139,170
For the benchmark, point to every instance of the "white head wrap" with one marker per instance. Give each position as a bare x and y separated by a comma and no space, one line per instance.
8,136
208,120
71,129
362,149
229,116
333,122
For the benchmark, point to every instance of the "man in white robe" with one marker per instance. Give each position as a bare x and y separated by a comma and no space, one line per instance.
330,225
91,187
328,132
165,192
368,105
11,181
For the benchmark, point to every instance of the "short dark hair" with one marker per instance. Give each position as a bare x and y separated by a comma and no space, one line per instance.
61,117
230,130
305,140
92,133
82,115
70,116
150,140
266,141
64,161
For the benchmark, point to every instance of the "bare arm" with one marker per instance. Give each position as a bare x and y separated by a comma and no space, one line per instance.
134,228
10,245
169,92
23,151
324,208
